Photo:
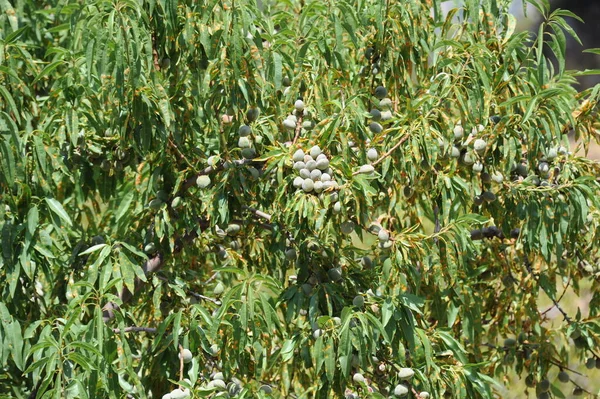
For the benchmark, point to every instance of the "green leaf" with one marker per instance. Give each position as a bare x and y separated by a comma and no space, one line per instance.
58,209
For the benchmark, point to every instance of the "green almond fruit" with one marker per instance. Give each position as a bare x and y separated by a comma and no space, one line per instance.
318,186
590,363
290,254
218,376
375,115
298,180
289,124
375,127
347,227
311,165
458,132
400,390
477,167
497,177
543,386
308,185
406,373
510,343
244,142
252,114
383,235
203,181
162,195
424,395
455,152
308,125
372,154
322,164
479,146
386,115
249,153
577,391
304,173
488,196
358,378
214,349
299,165
468,159
335,274
244,130
366,169
156,203
358,301
179,394
315,151
266,389
563,376
380,92
233,229
385,103
298,156
219,289
299,105
337,207
186,354
150,248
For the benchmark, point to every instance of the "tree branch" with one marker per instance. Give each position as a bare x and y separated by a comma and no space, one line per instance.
135,329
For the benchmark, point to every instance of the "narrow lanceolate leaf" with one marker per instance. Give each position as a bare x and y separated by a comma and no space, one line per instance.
58,209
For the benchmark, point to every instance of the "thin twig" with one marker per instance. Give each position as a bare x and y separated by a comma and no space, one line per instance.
560,298
257,212
206,298
181,359
214,276
135,329
299,120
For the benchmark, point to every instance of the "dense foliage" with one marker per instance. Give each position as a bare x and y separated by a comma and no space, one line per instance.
299,198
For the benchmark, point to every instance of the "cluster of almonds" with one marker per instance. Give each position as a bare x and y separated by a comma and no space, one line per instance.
315,175
400,390
381,113
292,119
